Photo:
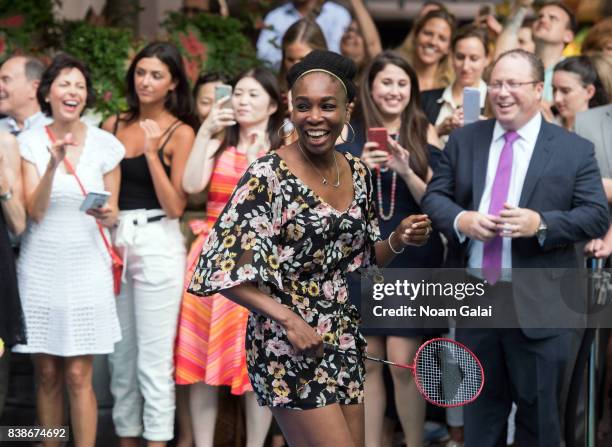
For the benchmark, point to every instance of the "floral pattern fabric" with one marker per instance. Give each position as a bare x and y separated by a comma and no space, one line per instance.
277,233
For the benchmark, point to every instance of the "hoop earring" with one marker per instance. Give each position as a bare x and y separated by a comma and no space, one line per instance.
281,130
353,136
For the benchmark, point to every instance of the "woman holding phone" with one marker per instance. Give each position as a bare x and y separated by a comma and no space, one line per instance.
210,344
401,166
64,268
470,56
158,139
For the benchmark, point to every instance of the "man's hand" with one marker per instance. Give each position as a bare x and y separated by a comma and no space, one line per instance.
517,222
598,248
478,226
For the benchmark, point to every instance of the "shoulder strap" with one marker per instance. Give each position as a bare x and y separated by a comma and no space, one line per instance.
169,131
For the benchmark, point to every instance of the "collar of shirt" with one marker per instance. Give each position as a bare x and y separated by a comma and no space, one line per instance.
529,132
29,122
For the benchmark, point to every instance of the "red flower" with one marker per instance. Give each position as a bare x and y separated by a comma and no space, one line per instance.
192,45
192,69
12,22
108,95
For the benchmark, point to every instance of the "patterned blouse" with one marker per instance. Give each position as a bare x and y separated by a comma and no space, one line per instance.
276,232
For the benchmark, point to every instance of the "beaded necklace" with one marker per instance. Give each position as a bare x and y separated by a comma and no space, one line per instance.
381,213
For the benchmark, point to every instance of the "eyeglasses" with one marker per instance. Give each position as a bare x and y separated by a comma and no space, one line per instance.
511,86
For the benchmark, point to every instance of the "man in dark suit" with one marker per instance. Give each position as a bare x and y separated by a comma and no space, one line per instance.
539,187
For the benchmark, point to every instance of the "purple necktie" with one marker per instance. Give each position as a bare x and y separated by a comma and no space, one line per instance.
492,252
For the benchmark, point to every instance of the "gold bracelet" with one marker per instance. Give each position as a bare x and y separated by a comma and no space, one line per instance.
391,246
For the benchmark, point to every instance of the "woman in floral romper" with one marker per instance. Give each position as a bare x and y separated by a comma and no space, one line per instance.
299,220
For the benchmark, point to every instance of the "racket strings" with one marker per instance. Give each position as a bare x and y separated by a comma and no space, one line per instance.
447,373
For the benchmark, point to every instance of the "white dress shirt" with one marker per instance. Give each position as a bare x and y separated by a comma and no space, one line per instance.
8,124
522,151
333,20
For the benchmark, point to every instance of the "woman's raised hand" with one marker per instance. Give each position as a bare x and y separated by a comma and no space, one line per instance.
257,144
451,123
219,117
57,151
399,158
153,134
373,156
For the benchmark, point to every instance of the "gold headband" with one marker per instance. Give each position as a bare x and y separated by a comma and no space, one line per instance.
329,73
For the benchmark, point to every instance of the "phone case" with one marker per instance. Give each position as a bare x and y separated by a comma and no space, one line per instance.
94,200
378,135
471,105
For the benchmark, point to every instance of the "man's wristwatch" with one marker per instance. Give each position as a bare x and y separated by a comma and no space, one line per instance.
541,231
6,196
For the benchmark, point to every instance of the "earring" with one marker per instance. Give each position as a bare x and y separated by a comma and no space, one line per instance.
352,137
281,130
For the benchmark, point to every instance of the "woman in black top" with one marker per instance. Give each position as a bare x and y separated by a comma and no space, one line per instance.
389,98
157,137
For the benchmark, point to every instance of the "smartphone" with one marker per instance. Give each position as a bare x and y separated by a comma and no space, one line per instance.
95,199
471,105
378,135
222,91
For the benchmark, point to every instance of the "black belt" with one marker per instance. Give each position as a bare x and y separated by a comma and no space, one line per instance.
151,219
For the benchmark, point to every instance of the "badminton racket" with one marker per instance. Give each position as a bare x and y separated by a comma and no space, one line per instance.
446,373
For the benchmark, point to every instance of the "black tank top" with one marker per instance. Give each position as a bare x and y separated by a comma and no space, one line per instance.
137,190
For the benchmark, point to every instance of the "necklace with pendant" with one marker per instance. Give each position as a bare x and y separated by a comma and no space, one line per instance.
325,181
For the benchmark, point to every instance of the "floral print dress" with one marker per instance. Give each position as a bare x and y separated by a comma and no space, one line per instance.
276,232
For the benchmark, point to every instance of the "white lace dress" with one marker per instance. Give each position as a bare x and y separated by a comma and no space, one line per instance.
64,270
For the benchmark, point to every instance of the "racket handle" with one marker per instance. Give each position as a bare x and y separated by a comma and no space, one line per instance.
365,356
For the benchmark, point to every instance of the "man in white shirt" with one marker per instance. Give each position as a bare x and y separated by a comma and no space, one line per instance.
19,79
517,192
332,18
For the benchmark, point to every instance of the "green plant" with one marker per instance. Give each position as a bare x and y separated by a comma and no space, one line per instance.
106,53
211,43
28,25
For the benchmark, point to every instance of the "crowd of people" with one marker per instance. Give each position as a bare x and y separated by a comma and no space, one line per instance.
300,195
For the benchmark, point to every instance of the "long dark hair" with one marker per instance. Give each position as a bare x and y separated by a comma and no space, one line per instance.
413,127
584,68
268,81
178,102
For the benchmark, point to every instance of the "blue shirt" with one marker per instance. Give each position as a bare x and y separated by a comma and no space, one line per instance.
333,20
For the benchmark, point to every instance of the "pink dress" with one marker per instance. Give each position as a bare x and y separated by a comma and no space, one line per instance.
210,342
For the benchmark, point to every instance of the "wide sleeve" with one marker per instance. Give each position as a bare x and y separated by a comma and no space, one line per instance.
243,244
372,229
112,151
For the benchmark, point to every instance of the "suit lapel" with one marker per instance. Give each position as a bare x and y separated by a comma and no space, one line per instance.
539,159
482,145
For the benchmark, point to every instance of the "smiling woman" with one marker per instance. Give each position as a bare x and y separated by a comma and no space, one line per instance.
210,342
72,316
282,248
